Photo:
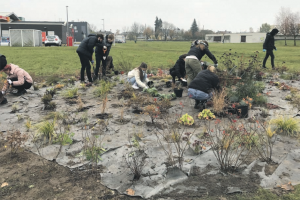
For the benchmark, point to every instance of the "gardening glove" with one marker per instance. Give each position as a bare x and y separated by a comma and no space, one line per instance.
9,81
275,49
264,50
104,47
216,65
3,92
146,87
104,57
92,62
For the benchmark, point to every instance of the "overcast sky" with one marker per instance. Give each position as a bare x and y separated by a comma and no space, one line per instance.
230,15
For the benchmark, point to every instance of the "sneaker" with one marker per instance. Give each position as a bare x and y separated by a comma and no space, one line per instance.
88,84
134,86
264,67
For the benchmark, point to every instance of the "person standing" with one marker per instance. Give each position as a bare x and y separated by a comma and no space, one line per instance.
85,53
192,61
17,78
268,46
102,54
179,68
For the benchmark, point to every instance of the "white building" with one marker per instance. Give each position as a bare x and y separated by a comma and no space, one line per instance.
236,37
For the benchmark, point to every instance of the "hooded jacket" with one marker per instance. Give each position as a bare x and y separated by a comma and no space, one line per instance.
100,51
205,81
179,67
87,45
269,43
195,51
17,72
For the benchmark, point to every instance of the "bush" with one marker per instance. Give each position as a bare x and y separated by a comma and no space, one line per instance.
71,93
287,125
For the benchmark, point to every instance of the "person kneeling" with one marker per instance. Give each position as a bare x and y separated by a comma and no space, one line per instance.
201,87
138,77
17,77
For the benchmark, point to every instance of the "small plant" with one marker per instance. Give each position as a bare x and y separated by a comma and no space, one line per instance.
198,147
153,112
260,99
71,93
47,98
52,79
218,100
117,78
83,86
135,161
103,89
14,107
47,129
80,104
64,139
20,117
288,97
186,120
28,124
51,106
264,112
152,91
206,114
104,102
36,87
15,140
287,125
122,82
246,102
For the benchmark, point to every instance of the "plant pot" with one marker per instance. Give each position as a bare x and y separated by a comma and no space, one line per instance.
116,72
184,83
169,84
150,84
242,111
178,92
122,72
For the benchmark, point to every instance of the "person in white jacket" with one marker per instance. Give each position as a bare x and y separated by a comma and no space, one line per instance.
138,77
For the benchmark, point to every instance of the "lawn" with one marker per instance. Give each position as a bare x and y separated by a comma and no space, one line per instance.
44,61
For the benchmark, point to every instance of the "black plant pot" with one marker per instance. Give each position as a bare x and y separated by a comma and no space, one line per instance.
169,84
178,92
150,84
116,72
242,111
184,83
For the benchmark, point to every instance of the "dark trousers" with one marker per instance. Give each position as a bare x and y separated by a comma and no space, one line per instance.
26,85
173,74
269,53
85,65
99,58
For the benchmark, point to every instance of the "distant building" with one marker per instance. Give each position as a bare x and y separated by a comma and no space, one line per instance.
79,30
236,37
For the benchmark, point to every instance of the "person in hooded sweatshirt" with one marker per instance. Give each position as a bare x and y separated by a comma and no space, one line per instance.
179,68
85,53
268,46
200,89
192,61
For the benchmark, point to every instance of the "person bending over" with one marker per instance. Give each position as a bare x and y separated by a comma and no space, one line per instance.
85,53
192,61
268,46
102,54
138,77
201,87
179,68
17,78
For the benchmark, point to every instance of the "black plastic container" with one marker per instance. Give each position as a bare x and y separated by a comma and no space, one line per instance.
242,111
178,92
169,84
116,72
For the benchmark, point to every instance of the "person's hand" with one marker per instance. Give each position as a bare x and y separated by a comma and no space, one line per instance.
104,57
104,47
3,92
216,65
92,62
275,49
146,87
264,50
9,81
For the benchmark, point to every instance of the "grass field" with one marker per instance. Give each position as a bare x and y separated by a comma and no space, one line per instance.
45,61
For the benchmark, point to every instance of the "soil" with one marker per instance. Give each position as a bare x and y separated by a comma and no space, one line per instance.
270,168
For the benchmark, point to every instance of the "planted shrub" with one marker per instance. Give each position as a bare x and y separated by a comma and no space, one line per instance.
287,125
70,93
206,114
186,120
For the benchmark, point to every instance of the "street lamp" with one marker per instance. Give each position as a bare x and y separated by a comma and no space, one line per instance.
67,22
103,24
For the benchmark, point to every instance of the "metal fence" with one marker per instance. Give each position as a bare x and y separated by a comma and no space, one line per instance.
25,38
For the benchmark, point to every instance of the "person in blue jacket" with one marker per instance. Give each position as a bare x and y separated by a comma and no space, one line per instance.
269,46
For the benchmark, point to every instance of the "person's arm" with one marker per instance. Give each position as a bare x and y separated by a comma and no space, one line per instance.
21,78
210,55
138,80
177,70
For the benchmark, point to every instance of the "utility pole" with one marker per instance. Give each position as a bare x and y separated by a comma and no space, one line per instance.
103,24
67,22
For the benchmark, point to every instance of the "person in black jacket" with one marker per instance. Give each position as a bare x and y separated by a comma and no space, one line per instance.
192,61
85,53
179,68
268,46
102,54
201,87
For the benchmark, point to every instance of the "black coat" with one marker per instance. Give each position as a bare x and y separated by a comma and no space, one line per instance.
179,67
195,51
87,45
205,81
269,43
99,50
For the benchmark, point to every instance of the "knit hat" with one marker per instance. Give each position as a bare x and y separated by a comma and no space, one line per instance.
3,62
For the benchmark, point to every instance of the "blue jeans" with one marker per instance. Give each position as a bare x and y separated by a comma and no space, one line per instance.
198,95
133,81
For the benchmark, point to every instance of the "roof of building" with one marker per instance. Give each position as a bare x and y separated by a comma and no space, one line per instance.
11,15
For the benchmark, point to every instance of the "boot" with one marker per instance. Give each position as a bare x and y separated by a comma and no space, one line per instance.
3,101
197,102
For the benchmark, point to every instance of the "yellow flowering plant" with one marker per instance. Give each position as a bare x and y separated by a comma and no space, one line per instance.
186,120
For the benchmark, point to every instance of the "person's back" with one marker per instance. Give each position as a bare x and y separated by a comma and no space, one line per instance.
205,81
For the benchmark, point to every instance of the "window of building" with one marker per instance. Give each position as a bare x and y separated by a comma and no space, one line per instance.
217,38
5,33
243,38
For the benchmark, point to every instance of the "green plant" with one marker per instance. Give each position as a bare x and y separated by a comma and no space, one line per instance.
54,79
260,85
64,138
36,87
47,129
288,97
186,120
70,93
287,125
28,124
264,112
260,99
246,102
20,117
51,91
122,82
206,114
14,107
117,78
103,89
153,112
46,98
125,62
152,91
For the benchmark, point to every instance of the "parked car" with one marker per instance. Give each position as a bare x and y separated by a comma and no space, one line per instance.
4,41
118,41
52,40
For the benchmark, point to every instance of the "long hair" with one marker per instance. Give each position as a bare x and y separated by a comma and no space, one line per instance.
143,65
7,67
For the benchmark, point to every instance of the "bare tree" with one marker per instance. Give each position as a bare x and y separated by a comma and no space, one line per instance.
92,28
251,30
117,32
283,21
135,29
148,32
125,30
166,27
294,25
